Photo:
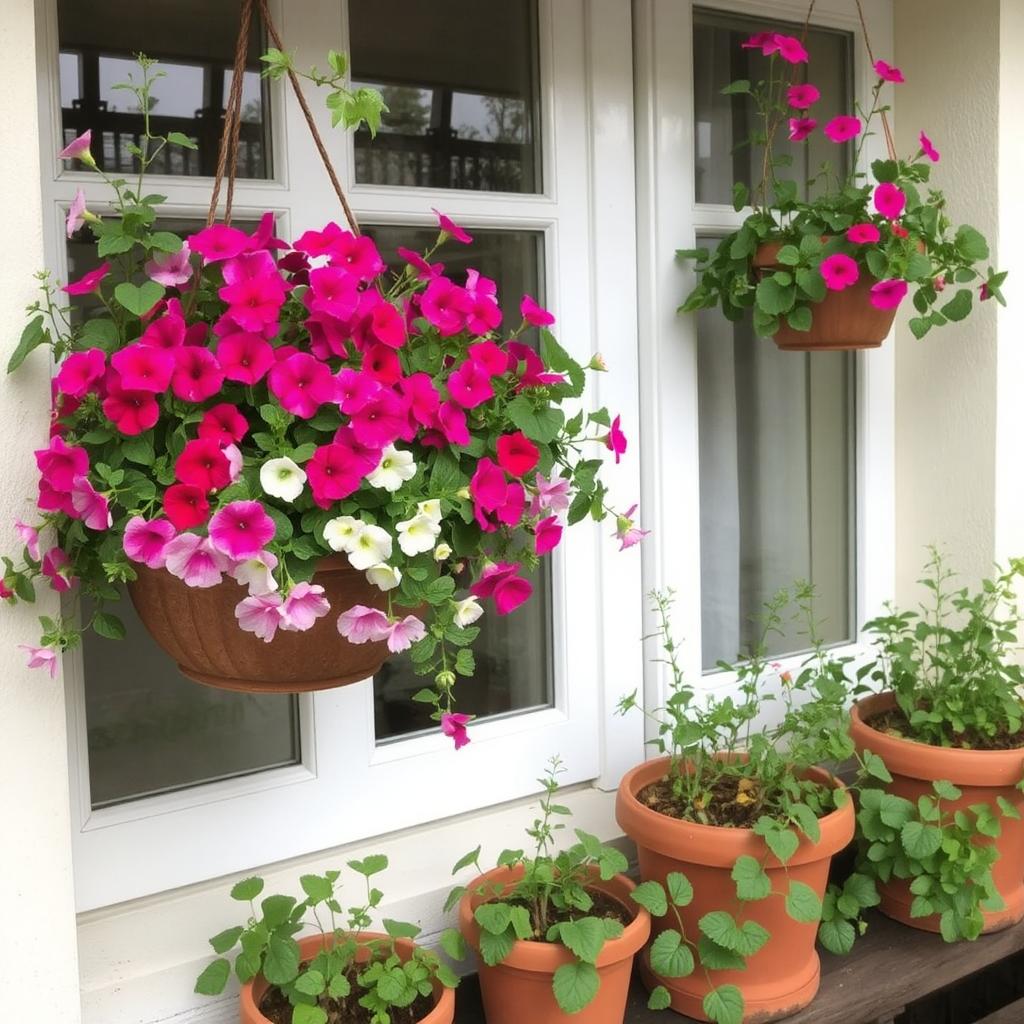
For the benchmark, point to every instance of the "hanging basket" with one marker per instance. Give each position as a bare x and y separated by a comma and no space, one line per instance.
843,320
198,629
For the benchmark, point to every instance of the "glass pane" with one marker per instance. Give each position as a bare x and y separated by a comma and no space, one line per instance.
463,115
776,483
513,653
98,43
723,123
151,730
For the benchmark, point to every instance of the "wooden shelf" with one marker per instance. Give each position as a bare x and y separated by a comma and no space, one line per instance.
888,969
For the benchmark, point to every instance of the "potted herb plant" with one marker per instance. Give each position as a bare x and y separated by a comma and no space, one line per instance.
942,746
825,263
342,974
298,460
735,827
555,932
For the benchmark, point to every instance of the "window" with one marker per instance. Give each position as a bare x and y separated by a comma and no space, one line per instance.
219,782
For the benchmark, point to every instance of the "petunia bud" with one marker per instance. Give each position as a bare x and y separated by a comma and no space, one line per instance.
441,552
445,679
939,283
598,363
463,493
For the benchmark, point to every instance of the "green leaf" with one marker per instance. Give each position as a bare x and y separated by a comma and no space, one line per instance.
31,337
337,988
453,943
670,956
721,927
139,449
959,306
714,957
659,999
99,333
971,244
724,1005
371,865
493,917
773,298
138,299
310,983
575,986
165,241
875,767
178,139
466,859
276,910
316,887
223,941
919,327
213,979
1008,809
837,936
494,948
108,625
522,925
802,903
680,891
811,283
281,962
246,890
807,821
537,424
788,256
751,881
862,890
584,937
651,896
800,318
741,85
740,196
945,790
114,245
783,842
920,840
304,1013
400,929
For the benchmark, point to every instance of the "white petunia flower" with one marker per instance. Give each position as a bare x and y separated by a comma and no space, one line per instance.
441,552
394,469
431,508
257,574
384,576
282,478
372,545
417,534
467,611
341,533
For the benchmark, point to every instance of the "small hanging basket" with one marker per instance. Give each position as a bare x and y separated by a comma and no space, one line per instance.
843,320
198,629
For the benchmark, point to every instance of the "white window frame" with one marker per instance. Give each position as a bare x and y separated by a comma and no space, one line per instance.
669,218
166,841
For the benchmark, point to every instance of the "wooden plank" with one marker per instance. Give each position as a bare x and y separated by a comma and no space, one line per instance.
1012,1014
888,969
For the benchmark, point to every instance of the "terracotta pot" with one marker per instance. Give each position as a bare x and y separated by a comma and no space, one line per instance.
782,977
981,775
252,993
842,320
518,990
198,629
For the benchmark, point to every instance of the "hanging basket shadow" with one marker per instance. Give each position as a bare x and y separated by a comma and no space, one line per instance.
843,321
198,629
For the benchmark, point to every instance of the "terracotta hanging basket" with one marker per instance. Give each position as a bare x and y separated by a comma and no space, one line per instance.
198,629
843,320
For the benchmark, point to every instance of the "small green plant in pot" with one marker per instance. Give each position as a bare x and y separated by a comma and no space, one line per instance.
342,973
941,745
735,826
555,931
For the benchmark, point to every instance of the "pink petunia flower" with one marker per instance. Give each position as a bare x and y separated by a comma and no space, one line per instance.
76,213
89,282
523,360
388,325
171,269
888,294
888,73
863,234
791,49
800,97
78,149
255,302
766,42
203,464
301,384
424,271
404,633
517,454
502,582
381,420
197,374
241,529
304,604
61,463
551,495
488,487
360,625
453,725
801,127
492,357
236,462
928,149
357,255
219,242
186,505
256,573
91,506
334,291
81,372
843,128
445,305
143,368
165,331
244,357
195,561
839,271
627,532
29,537
52,500
889,200
261,614
449,227
132,412
334,473
535,314
470,384
56,567
547,536
382,364
422,398
451,421
615,441
249,266
41,657
146,541
224,424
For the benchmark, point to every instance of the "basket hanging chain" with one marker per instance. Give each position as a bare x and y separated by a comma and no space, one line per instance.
886,128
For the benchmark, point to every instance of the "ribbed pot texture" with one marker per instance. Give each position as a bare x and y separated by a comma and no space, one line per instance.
981,775
783,976
842,320
198,629
518,990
253,992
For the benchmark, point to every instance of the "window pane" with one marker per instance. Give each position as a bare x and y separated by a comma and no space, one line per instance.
152,730
513,653
776,483
462,115
723,123
98,43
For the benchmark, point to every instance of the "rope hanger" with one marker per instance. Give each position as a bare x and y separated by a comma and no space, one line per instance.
227,159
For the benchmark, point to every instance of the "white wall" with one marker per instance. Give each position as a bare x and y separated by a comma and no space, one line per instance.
946,384
38,948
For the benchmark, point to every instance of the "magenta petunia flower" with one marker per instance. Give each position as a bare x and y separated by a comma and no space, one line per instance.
304,604
360,625
382,364
41,657
242,529
224,424
888,294
800,97
449,226
29,536
61,463
261,614
167,332
839,271
533,313
888,73
488,487
451,421
78,149
404,633
219,242
195,561
388,325
627,532
245,357
502,582
551,495
483,314
766,42
56,567
254,303
88,283
301,383
197,374
356,254
333,290
445,305
791,49
547,536
186,505
235,460
249,266
143,368
801,127
615,441
424,271
517,454
334,473
132,412
491,356
863,234
91,506
889,200
453,725
76,213
928,149
381,420
146,541
81,372
523,360
422,397
171,269
843,128
203,464
470,384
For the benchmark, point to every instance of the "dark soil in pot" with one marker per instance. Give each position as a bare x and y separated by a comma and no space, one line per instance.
895,723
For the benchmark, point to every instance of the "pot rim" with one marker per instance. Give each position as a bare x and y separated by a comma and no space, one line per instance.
444,998
929,763
547,957
717,845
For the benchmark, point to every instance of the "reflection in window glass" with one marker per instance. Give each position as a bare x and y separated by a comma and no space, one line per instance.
722,124
776,483
513,652
464,116
98,43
